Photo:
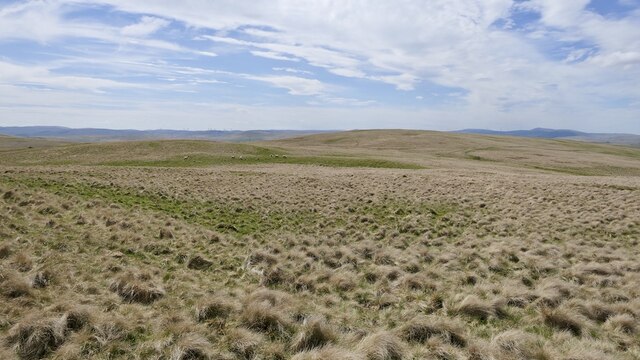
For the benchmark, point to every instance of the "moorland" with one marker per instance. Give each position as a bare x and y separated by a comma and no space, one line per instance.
380,245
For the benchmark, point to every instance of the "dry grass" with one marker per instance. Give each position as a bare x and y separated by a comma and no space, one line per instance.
244,342
328,353
132,288
214,308
382,346
12,285
518,345
314,333
422,329
469,260
34,339
563,320
475,307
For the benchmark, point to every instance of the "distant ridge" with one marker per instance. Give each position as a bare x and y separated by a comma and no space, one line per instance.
99,135
566,134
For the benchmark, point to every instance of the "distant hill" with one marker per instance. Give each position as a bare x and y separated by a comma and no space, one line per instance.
400,149
100,135
617,139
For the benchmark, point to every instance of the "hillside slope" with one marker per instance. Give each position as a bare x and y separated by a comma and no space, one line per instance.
432,148
370,148
606,138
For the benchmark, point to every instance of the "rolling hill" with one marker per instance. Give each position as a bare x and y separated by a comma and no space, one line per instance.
608,138
368,148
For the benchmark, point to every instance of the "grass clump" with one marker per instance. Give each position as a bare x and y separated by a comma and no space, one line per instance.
382,346
264,311
33,339
132,289
244,343
423,328
215,308
193,349
315,333
482,310
563,319
199,263
624,323
13,285
42,279
518,345
328,353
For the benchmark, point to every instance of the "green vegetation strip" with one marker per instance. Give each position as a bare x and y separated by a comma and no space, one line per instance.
245,219
228,218
211,160
590,171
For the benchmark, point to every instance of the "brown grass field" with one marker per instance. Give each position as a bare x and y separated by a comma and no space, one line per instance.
378,245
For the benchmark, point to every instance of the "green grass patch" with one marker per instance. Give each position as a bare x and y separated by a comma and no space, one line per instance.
227,218
203,160
239,218
607,149
590,171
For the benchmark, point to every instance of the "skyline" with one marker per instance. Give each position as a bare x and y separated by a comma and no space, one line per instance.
441,65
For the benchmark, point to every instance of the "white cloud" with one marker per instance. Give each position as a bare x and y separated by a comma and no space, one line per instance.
404,82
273,55
617,58
354,73
40,76
563,13
147,26
294,84
291,70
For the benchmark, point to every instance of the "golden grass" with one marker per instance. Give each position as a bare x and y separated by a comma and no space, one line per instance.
465,261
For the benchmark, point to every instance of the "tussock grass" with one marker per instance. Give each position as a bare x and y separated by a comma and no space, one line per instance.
398,264
327,353
217,307
624,323
421,329
12,285
314,333
518,345
34,339
5,250
132,289
244,343
42,279
483,310
382,346
563,319
199,263
22,262
263,311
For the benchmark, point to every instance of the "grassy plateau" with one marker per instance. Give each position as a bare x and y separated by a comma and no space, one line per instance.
371,245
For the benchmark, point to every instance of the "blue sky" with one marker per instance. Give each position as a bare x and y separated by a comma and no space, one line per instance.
341,64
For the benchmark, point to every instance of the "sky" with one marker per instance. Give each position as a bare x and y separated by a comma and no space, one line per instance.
321,64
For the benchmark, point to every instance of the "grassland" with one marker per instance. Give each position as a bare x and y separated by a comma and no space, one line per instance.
360,245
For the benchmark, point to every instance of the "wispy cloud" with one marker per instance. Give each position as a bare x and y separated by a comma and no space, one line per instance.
40,76
147,26
510,63
294,84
